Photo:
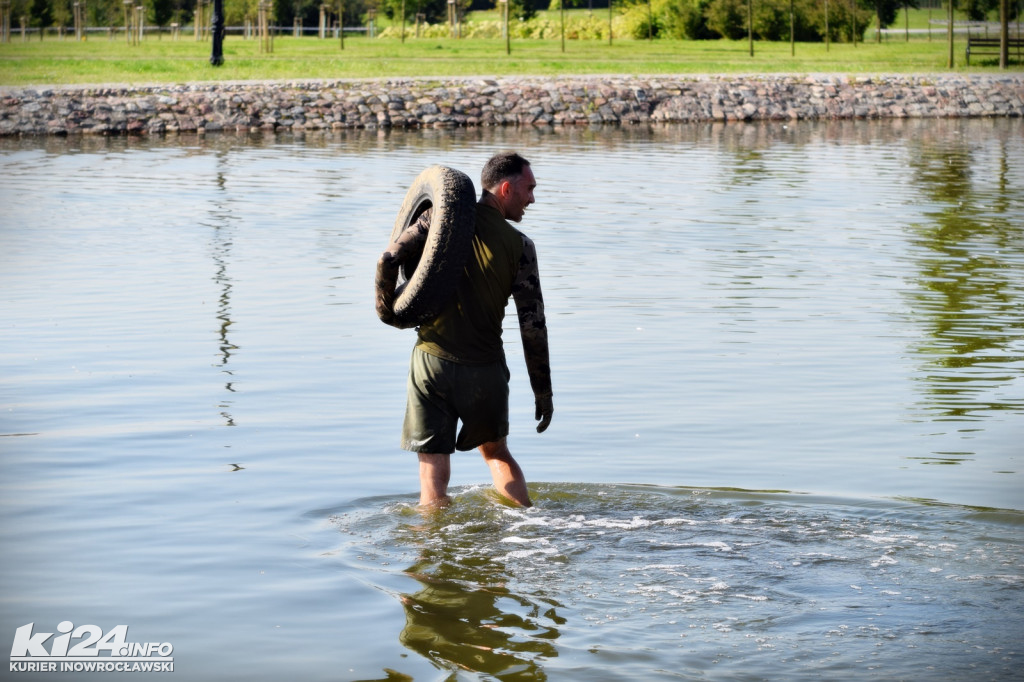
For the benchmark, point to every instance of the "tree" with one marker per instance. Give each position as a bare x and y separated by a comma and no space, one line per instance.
435,11
771,20
161,11
62,15
524,10
727,18
886,11
840,20
685,19
287,11
977,10
41,15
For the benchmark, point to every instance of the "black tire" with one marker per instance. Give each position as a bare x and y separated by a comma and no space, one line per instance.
426,283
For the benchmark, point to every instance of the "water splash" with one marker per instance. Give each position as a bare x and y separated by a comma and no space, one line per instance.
619,581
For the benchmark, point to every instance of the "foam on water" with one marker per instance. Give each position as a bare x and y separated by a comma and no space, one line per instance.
761,585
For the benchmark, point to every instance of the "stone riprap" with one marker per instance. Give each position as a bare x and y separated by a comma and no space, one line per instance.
415,103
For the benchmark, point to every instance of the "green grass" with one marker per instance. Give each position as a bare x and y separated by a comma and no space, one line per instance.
101,60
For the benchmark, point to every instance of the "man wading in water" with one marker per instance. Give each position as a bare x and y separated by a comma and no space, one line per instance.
458,371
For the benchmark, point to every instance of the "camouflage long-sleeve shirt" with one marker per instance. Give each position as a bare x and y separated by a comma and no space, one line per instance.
525,290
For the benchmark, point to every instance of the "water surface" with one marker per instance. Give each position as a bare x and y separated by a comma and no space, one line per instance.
789,407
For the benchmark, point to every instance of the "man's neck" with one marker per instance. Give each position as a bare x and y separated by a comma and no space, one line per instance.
488,199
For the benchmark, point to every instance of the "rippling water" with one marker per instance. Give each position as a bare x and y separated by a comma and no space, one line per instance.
789,391
631,582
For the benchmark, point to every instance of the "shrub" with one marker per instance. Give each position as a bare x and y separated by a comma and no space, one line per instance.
727,18
772,20
664,19
840,21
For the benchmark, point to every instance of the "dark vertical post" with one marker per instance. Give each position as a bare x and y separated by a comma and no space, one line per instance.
853,26
508,30
217,56
750,26
949,33
610,21
1004,33
341,22
827,39
561,11
792,33
127,27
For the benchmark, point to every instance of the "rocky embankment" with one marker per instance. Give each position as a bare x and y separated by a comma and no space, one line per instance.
415,103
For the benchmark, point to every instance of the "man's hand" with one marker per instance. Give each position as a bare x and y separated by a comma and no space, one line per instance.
545,408
384,284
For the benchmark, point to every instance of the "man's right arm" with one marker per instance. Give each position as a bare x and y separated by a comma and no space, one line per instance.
409,243
533,329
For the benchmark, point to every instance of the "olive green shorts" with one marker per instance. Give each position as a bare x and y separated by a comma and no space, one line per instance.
442,393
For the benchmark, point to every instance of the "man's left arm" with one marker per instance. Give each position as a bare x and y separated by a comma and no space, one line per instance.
534,331
408,245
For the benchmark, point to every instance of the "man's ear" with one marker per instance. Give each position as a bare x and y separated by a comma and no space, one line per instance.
504,189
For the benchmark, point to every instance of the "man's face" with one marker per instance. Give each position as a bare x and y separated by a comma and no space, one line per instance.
520,195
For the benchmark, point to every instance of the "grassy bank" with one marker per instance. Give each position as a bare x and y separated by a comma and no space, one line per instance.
103,60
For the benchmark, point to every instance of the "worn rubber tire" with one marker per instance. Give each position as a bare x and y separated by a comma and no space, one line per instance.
430,280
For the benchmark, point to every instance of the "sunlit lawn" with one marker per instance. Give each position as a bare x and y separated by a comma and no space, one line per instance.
103,60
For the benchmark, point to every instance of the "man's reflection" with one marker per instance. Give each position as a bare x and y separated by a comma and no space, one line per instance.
464,617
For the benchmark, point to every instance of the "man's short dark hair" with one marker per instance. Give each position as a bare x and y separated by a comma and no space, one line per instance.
500,167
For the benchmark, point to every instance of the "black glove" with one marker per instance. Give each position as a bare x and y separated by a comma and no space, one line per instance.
545,408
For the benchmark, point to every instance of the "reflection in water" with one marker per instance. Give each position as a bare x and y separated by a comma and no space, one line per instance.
733,138
466,616
642,582
970,262
221,217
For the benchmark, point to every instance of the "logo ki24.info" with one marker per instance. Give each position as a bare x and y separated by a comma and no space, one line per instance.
86,649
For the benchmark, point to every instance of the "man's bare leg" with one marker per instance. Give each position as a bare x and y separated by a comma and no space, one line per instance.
435,472
508,477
